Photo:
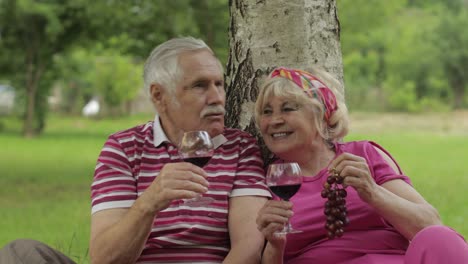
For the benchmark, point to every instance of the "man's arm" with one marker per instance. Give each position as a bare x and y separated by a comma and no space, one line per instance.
119,235
246,241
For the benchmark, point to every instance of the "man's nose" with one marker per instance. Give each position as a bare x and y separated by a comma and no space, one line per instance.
216,95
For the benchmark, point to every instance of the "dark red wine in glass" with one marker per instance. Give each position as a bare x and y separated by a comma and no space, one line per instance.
285,192
199,161
197,148
284,180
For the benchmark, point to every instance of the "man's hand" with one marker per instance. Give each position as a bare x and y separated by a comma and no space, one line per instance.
180,180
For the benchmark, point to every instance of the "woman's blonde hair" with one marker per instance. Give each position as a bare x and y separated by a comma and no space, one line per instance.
331,130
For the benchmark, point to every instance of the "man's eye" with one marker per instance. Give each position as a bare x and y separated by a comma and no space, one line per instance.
199,85
220,84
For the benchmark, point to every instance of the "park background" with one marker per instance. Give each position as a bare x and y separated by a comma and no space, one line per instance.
404,61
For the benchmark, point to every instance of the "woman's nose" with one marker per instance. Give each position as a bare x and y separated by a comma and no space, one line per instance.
277,118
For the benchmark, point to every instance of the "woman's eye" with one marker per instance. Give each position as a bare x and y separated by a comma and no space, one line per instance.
290,108
266,111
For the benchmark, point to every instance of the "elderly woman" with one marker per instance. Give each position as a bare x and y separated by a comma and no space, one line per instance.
302,118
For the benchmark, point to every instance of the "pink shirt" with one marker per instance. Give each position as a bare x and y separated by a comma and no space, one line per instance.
367,232
131,159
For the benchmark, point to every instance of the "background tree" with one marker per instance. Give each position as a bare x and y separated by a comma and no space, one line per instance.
267,34
401,55
41,36
32,32
450,36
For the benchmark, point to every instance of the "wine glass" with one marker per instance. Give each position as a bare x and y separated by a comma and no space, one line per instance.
197,148
284,180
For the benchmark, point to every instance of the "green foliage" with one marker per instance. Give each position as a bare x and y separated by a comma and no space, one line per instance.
74,69
391,49
451,39
405,55
33,32
116,78
42,38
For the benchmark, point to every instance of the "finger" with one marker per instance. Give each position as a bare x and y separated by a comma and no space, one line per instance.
278,204
194,169
356,179
344,156
189,185
266,218
276,211
270,230
350,171
191,176
362,165
182,194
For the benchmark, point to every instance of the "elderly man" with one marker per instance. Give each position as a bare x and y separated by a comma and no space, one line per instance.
140,182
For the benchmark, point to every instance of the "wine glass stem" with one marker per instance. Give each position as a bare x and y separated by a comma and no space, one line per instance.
288,227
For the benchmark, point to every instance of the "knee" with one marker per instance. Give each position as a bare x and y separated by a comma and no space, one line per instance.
439,244
436,234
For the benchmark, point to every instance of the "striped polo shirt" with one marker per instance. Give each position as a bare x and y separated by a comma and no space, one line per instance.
131,159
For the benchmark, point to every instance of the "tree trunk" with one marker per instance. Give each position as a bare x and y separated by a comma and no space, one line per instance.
264,34
33,76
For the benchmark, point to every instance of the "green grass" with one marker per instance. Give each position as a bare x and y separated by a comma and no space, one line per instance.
45,181
436,165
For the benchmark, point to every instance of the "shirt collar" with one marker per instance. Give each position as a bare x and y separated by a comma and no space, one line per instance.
160,137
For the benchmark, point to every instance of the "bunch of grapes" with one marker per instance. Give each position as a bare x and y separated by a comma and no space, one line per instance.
335,206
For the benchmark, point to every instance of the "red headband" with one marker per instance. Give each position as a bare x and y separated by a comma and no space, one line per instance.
312,86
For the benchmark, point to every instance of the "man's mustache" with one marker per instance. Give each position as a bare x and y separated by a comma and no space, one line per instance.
213,110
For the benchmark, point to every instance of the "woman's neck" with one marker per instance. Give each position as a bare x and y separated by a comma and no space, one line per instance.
315,160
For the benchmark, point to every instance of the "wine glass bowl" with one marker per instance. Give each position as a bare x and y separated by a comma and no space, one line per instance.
284,180
197,148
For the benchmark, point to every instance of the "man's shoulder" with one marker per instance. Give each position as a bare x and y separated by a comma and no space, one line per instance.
141,130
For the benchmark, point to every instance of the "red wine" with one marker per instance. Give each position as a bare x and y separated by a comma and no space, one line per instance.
285,191
199,161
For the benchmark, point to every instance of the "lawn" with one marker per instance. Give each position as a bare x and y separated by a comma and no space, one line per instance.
45,181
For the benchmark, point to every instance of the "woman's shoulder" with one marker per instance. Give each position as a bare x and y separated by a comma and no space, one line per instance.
353,146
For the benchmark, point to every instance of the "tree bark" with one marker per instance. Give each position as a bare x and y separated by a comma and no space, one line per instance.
33,75
264,34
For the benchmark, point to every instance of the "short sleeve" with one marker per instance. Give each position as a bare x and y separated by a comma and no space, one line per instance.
113,184
250,176
381,171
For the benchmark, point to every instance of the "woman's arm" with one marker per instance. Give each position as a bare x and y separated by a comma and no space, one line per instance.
409,212
404,208
396,201
272,218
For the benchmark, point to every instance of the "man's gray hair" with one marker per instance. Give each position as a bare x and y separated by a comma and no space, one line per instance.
162,65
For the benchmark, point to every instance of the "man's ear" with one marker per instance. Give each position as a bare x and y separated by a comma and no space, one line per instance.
157,93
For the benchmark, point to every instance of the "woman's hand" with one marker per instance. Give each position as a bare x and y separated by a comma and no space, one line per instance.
356,173
271,218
